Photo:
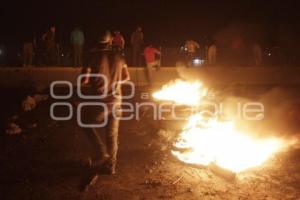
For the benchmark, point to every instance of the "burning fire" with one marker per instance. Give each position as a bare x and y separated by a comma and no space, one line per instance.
206,142
182,93
210,141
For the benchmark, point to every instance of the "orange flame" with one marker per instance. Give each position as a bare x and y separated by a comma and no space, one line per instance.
205,141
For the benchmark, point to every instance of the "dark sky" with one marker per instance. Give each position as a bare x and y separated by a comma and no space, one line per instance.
164,21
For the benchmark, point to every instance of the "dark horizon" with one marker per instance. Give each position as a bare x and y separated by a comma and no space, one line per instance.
164,22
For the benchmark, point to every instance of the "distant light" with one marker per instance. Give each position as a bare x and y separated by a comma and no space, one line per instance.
183,48
198,61
269,54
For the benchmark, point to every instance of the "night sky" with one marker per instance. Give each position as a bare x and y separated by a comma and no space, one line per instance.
165,22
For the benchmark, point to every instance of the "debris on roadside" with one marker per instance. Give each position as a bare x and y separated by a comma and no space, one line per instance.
177,180
165,138
144,112
13,129
28,104
152,183
166,135
91,182
221,172
149,170
32,125
31,102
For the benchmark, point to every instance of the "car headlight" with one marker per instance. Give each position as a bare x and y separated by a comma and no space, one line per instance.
197,61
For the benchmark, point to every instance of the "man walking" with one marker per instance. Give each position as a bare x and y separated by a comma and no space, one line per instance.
77,40
110,65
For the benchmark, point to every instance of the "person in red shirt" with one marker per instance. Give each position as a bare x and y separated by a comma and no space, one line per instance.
118,41
151,61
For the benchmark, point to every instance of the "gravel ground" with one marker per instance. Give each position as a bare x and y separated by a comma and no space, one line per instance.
44,163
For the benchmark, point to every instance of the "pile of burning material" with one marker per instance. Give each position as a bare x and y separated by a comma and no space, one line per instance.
208,141
214,142
177,101
181,93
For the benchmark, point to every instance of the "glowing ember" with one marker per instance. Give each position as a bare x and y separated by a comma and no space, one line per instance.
181,93
205,142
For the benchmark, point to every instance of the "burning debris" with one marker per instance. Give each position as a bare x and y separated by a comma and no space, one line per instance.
209,141
219,143
181,93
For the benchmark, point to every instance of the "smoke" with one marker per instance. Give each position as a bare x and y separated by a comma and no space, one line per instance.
282,110
281,115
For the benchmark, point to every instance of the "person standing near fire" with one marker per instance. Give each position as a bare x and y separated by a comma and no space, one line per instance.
29,46
212,54
150,54
50,45
257,54
118,41
191,47
77,40
137,40
111,64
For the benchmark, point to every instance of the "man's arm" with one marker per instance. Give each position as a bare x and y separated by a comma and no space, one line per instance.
125,74
157,51
123,42
87,72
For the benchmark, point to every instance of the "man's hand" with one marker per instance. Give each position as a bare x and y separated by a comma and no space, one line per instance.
86,79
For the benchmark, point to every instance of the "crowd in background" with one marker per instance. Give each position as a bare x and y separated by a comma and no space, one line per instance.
46,51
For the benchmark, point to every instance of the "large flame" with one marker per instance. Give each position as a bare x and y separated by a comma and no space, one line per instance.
182,92
206,141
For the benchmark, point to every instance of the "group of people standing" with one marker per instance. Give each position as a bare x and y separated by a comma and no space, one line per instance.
210,52
32,46
45,50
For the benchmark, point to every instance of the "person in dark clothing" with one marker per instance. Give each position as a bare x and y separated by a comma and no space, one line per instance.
137,40
77,40
50,45
112,65
29,46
